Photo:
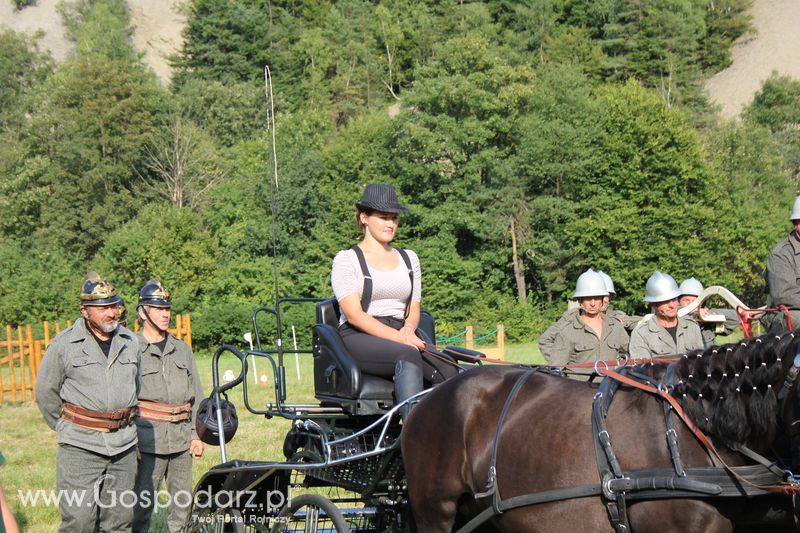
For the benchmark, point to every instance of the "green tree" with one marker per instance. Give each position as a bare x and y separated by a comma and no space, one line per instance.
37,282
651,200
90,123
22,67
164,242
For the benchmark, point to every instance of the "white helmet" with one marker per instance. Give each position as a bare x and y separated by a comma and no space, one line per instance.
795,209
609,283
660,288
692,287
590,283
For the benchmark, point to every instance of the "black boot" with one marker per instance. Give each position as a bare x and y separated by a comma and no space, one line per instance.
407,383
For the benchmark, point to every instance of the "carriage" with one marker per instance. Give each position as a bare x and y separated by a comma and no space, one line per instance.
344,469
347,443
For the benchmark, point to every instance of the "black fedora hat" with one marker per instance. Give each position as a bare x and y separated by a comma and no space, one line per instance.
379,197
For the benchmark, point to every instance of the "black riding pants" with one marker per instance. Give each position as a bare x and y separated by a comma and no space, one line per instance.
378,356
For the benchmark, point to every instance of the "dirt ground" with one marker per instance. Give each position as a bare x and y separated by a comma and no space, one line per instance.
157,29
775,47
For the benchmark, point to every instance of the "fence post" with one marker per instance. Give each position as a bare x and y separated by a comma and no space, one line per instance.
58,328
187,324
136,325
470,339
37,354
501,342
178,327
12,375
2,387
32,368
46,330
21,344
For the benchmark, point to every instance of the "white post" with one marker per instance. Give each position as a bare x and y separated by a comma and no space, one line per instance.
296,355
249,338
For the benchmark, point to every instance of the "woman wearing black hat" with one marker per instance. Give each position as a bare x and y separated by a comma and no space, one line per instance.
378,288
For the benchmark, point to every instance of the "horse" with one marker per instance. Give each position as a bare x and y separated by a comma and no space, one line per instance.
547,440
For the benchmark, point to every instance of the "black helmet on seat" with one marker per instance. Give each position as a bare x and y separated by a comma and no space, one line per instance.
206,421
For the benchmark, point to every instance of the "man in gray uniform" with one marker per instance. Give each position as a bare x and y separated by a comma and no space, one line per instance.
86,390
588,335
168,400
664,333
548,339
783,275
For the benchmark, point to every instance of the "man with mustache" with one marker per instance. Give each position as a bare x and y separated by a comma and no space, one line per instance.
86,390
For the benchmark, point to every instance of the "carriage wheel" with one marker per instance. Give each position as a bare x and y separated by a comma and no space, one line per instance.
309,513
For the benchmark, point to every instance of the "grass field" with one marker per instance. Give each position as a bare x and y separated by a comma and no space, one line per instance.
29,446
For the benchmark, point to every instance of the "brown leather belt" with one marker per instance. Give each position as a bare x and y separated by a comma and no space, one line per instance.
104,421
164,412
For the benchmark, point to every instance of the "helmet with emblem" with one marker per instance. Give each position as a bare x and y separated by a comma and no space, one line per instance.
123,313
98,291
154,294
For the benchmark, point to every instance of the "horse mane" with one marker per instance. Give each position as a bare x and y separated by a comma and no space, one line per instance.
730,391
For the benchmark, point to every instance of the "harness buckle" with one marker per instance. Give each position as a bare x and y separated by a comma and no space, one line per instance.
597,365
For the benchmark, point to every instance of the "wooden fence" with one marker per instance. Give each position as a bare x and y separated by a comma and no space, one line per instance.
494,353
21,354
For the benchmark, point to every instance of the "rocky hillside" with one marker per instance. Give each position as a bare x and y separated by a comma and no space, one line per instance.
157,28
775,46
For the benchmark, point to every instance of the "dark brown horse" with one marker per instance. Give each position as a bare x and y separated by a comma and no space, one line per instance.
547,440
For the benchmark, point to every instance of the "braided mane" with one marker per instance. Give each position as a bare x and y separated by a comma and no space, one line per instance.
730,391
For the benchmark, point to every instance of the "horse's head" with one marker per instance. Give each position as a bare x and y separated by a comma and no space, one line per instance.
732,391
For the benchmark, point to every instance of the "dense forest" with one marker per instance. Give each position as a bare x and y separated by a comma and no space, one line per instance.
531,139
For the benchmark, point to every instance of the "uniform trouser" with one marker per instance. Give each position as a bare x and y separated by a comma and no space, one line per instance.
176,468
104,485
378,356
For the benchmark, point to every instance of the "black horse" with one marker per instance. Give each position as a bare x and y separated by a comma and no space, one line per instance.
547,440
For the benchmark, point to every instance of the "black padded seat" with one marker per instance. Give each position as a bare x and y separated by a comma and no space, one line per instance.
337,378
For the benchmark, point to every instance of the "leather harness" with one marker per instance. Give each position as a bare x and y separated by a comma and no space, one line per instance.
618,487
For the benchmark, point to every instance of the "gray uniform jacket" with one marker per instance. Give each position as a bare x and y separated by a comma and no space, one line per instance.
650,338
576,342
547,341
75,370
783,276
172,378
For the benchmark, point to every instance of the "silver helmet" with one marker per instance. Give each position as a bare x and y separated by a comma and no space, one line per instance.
590,283
691,287
609,283
660,288
795,210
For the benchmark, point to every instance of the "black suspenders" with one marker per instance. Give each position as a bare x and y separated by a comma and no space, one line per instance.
366,292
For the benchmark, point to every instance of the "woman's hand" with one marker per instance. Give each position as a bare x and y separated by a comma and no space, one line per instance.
408,335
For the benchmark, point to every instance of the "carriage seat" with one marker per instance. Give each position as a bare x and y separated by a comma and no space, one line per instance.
337,378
